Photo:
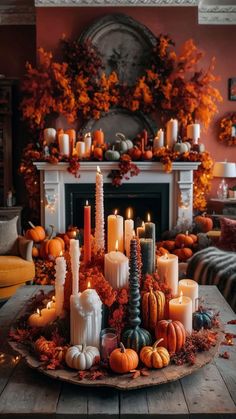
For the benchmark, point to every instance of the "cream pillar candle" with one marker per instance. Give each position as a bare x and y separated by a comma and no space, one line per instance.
86,318
80,149
189,288
168,269
171,132
193,132
115,225
99,213
116,269
43,317
181,309
49,135
75,255
129,227
64,144
60,276
159,140
88,143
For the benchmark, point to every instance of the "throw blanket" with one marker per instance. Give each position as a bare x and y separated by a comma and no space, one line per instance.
212,266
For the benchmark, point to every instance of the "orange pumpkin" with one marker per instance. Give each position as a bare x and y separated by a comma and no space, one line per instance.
147,155
135,153
162,251
183,254
35,252
204,223
173,334
52,247
43,346
193,237
155,356
35,233
123,360
98,153
153,308
183,240
169,245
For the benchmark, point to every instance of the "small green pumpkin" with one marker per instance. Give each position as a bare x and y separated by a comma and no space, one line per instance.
123,144
136,338
202,319
181,147
112,155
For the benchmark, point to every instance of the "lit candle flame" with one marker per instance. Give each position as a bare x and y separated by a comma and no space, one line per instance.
166,256
143,224
117,245
61,253
98,170
38,312
129,213
53,299
148,218
186,233
115,212
87,203
89,285
48,305
181,297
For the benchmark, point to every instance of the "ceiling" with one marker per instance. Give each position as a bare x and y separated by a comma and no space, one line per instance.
214,12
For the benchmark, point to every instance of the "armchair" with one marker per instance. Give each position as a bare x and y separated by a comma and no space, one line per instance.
16,264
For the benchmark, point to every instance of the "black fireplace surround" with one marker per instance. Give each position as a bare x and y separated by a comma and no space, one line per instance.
143,198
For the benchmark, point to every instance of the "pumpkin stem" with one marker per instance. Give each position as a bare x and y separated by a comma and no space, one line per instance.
31,224
52,231
120,136
157,343
122,348
83,347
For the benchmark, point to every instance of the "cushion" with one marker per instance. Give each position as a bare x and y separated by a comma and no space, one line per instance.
15,270
8,237
228,234
25,248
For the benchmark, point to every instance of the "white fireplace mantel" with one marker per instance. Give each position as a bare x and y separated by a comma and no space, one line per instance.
53,178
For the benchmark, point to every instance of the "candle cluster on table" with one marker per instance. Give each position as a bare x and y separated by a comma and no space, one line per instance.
147,237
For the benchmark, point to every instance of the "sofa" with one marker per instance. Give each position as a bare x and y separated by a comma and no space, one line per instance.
16,264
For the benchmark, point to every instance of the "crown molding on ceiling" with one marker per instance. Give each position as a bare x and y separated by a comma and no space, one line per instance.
217,15
106,3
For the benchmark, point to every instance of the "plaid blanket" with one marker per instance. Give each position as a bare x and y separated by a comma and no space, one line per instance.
212,266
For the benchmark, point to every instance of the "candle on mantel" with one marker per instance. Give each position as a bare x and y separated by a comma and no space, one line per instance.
189,288
64,144
150,233
116,269
171,132
72,139
141,231
147,255
43,317
98,137
88,143
87,233
49,135
129,227
181,309
99,213
159,140
86,317
168,269
115,224
193,132
75,255
80,149
60,276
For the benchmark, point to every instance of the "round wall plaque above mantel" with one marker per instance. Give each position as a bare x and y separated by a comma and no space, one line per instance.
121,120
125,45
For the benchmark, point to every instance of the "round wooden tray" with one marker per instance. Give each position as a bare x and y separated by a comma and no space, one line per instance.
124,382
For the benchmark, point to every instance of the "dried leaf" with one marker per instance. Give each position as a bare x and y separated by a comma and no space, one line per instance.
232,321
136,374
144,372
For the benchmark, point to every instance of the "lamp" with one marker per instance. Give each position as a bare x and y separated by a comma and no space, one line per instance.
224,169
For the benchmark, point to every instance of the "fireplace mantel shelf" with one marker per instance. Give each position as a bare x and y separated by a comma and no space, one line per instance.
107,166
55,177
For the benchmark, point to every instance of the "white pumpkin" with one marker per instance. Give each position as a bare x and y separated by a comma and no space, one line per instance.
82,357
49,135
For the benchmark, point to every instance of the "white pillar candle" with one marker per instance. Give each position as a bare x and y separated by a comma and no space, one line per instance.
116,269
115,225
99,213
86,318
193,132
49,135
168,269
171,132
74,256
159,140
64,144
80,149
181,309
129,228
60,277
189,288
43,317
88,143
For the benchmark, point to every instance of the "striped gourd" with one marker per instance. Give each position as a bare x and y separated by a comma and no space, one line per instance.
153,308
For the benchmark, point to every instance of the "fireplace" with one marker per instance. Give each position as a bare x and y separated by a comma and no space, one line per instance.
167,196
141,198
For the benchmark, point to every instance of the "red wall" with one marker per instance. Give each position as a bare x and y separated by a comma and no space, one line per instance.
180,23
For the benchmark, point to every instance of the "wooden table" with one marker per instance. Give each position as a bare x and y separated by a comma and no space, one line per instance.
210,392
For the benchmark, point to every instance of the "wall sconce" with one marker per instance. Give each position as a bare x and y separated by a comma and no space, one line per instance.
51,200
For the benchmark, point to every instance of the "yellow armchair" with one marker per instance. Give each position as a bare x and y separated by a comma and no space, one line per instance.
17,269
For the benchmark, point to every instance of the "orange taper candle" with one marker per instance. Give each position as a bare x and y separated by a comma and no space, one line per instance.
87,233
98,137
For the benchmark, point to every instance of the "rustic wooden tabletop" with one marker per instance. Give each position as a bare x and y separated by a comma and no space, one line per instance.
210,392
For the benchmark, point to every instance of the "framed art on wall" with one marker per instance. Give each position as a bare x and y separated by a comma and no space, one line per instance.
232,88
